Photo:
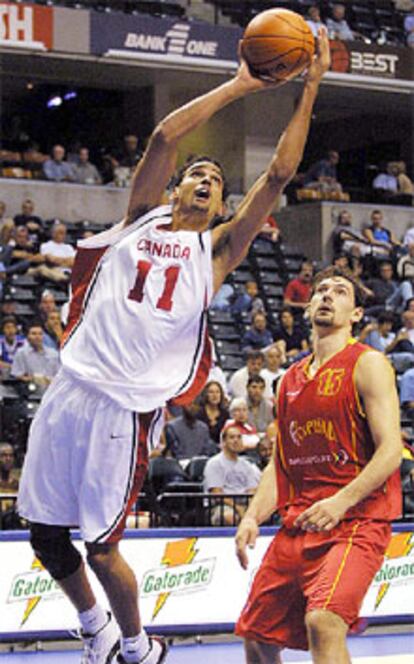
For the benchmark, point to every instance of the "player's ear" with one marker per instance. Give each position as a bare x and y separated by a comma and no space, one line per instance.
174,195
357,315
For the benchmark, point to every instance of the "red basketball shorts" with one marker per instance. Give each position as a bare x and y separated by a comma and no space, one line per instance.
304,571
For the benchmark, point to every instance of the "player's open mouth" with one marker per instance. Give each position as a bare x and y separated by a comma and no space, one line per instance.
202,193
324,310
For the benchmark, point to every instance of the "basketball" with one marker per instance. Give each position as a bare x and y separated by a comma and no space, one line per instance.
277,45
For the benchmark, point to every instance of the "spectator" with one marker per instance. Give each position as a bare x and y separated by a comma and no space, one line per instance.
409,236
58,255
6,225
9,477
33,222
323,174
274,360
379,335
405,265
260,412
217,374
10,342
386,184
213,409
293,337
47,304
401,350
84,172
227,473
407,390
254,364
239,415
262,454
313,19
337,25
53,331
350,240
258,336
405,185
131,154
377,235
33,363
298,291
187,436
270,230
56,168
382,287
223,298
8,307
248,300
409,28
22,254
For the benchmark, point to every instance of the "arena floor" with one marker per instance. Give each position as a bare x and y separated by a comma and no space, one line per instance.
376,649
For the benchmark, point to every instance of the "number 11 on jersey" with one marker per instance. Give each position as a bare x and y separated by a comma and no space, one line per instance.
165,301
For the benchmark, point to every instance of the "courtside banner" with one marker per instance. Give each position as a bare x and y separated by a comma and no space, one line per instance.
163,41
26,26
189,580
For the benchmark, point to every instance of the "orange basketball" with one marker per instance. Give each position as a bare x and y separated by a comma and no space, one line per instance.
278,45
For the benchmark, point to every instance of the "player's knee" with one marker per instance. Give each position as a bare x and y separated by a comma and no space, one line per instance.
53,547
101,557
324,625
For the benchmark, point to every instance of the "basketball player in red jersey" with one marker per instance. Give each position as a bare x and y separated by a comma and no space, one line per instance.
335,481
136,338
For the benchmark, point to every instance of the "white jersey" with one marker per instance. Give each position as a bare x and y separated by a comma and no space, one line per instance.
137,327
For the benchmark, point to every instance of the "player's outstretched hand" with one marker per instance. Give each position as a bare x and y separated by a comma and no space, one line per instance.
322,515
322,58
246,536
252,83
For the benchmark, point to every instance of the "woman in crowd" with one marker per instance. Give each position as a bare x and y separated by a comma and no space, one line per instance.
213,411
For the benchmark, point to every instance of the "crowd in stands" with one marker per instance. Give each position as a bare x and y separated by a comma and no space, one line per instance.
259,326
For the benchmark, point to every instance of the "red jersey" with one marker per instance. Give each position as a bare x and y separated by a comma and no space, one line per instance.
325,441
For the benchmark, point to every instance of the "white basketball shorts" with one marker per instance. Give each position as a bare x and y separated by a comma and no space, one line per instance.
86,460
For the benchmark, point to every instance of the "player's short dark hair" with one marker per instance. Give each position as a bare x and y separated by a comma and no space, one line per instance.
256,378
334,271
194,159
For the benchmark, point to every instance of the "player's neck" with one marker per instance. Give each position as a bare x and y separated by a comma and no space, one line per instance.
327,345
189,221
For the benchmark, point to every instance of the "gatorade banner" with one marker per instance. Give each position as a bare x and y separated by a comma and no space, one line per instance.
190,581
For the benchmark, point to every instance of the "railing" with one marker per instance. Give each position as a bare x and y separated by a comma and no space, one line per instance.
182,509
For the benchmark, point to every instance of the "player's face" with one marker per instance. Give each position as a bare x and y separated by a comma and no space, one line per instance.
333,304
201,190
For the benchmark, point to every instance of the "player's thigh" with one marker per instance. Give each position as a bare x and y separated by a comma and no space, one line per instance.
333,584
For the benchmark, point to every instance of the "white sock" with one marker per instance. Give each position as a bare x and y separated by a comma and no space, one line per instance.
135,647
93,619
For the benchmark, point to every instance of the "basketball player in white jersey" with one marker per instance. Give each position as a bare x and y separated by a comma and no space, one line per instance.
136,338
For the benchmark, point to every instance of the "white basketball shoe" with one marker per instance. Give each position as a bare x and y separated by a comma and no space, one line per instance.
101,647
156,654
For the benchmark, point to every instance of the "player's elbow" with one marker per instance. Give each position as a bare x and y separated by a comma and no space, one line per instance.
280,173
163,135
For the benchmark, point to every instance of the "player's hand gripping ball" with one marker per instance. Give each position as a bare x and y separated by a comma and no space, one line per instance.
277,45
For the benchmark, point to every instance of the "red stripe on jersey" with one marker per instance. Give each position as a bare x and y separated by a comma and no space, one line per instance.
141,467
86,262
200,377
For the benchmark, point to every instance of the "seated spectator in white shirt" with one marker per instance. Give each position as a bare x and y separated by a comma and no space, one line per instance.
59,256
33,363
84,172
56,168
313,19
227,473
337,25
254,364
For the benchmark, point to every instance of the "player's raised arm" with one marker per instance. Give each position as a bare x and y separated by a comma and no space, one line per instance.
231,241
158,163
